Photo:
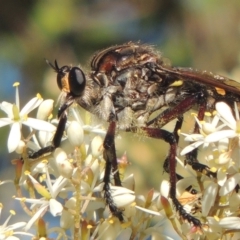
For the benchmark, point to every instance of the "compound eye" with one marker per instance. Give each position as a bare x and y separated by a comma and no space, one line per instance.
77,81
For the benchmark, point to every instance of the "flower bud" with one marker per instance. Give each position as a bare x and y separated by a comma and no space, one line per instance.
20,147
75,133
67,219
97,146
45,109
65,168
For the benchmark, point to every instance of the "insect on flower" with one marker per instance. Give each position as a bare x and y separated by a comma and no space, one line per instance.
126,86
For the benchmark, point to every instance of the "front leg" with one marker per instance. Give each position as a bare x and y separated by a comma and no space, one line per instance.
56,139
110,157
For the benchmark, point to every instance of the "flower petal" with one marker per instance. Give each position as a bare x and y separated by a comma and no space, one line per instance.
230,222
230,184
148,211
5,122
17,225
192,137
122,196
67,219
216,136
226,113
221,177
36,216
108,231
39,124
125,234
55,207
95,129
208,128
31,105
215,121
7,108
191,147
209,197
10,238
14,137
57,186
45,138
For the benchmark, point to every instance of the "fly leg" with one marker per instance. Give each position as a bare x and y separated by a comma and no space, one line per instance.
62,115
177,112
191,157
171,140
56,139
177,127
110,157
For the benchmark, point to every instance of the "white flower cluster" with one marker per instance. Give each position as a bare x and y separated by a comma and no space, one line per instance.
64,188
67,184
219,138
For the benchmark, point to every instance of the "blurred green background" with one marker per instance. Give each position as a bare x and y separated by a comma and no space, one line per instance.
196,33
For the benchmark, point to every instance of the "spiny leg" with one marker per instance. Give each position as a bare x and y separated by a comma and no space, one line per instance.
191,157
56,139
62,115
173,113
110,157
177,127
170,138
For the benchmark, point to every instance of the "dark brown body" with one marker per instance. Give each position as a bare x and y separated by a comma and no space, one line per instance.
128,83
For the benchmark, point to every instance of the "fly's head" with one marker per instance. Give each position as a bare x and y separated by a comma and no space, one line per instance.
70,80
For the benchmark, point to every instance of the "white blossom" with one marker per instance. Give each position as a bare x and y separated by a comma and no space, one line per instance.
16,117
48,202
9,231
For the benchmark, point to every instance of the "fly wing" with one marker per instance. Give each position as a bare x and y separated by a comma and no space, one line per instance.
204,77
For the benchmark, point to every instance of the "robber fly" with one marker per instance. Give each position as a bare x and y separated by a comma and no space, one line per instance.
126,86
